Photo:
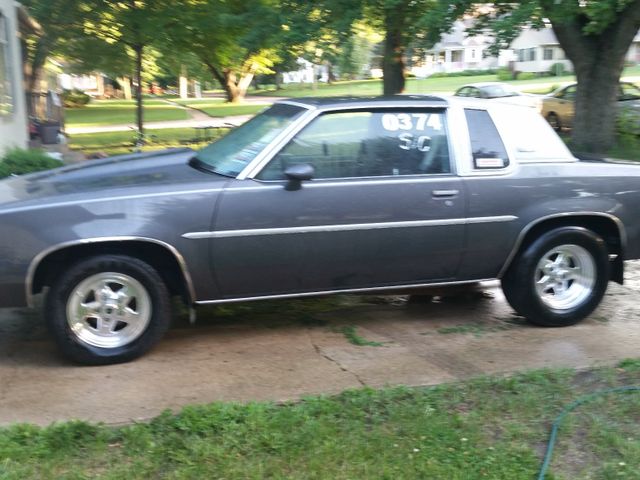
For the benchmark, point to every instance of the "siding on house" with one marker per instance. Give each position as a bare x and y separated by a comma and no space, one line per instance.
456,51
538,51
13,114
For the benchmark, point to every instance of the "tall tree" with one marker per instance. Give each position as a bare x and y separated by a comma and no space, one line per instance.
595,36
134,24
402,21
57,18
235,40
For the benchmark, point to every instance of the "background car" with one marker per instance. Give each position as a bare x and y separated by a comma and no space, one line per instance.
499,92
559,107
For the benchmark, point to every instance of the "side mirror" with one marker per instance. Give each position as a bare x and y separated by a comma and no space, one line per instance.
297,174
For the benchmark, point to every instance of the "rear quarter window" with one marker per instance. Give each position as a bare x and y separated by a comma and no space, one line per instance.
486,145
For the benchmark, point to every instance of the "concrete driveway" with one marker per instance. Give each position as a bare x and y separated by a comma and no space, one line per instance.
288,349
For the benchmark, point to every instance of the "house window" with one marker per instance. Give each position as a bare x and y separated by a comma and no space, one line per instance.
6,98
548,53
531,55
521,53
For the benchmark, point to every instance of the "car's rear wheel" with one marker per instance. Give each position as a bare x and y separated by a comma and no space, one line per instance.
560,278
554,121
108,309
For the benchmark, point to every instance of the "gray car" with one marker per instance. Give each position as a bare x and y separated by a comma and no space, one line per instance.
559,107
499,92
312,197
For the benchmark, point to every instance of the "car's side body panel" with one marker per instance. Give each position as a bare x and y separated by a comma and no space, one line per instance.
351,233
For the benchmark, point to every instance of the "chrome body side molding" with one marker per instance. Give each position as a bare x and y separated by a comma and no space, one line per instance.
346,227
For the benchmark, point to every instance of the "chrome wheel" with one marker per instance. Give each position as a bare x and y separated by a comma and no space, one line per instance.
565,277
108,310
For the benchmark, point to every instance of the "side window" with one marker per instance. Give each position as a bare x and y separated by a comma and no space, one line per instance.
368,144
486,144
570,93
6,100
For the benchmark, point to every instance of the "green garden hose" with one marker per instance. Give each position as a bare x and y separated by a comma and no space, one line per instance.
567,410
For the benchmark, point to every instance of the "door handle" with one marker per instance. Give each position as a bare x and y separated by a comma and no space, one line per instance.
444,193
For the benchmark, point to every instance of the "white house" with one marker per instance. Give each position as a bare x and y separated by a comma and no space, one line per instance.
539,50
457,51
13,112
306,72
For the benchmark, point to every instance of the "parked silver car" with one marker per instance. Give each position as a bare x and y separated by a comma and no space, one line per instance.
312,197
499,92
559,107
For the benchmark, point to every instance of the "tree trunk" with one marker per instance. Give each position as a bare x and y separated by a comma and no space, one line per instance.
125,83
138,49
33,71
331,77
277,79
598,60
394,48
184,83
594,121
231,89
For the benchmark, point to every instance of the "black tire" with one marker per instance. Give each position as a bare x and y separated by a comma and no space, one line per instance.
519,283
554,121
158,310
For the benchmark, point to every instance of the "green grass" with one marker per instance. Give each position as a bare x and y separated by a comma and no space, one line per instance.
428,85
493,428
217,107
354,338
114,143
118,112
374,87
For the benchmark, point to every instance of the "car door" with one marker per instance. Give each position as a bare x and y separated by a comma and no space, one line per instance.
566,106
384,208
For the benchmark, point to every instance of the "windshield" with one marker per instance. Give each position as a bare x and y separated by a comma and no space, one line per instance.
497,91
229,155
628,91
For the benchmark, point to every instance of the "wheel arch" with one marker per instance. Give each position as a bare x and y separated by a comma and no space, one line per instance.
608,226
164,257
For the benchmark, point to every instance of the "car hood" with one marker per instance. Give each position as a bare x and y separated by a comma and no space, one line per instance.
136,174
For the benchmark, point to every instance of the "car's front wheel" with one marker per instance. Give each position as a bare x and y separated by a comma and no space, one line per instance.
554,121
107,309
560,278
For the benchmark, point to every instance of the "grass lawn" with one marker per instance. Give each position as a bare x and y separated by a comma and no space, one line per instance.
494,428
217,107
414,85
114,143
117,112
427,85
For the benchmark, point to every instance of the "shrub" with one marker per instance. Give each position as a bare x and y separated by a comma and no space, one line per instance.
504,74
19,161
75,98
527,75
558,69
463,73
628,126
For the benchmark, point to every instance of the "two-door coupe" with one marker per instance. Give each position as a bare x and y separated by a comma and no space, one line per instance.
318,196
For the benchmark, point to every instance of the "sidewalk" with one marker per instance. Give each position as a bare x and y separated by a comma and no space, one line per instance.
257,357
